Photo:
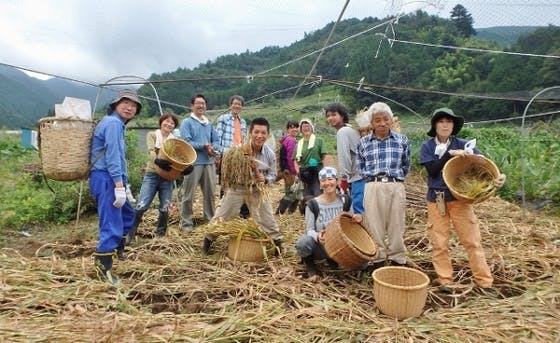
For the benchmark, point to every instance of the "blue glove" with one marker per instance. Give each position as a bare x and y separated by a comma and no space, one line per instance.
120,197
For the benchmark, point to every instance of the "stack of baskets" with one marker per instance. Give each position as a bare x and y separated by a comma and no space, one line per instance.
470,177
246,249
348,242
64,147
180,155
400,292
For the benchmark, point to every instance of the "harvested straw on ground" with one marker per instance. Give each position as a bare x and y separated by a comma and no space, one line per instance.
172,293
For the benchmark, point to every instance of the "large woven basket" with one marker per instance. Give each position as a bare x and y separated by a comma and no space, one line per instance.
64,147
400,292
348,242
459,166
179,153
247,249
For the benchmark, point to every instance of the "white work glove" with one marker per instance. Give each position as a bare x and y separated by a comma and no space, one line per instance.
441,148
129,195
469,146
500,180
457,152
120,197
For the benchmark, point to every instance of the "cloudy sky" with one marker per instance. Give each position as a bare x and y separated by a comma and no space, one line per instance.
94,41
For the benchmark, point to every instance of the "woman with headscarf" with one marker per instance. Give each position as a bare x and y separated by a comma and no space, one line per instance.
310,157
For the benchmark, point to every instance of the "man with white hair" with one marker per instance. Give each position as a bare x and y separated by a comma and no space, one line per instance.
384,159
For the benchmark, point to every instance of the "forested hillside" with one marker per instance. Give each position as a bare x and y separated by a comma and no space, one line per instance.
418,62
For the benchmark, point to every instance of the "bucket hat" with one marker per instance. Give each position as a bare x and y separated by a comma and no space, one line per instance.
443,112
127,94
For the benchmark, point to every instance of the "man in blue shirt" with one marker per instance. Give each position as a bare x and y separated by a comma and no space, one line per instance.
198,131
107,180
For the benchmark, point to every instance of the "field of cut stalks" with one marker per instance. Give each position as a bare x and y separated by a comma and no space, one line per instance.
173,293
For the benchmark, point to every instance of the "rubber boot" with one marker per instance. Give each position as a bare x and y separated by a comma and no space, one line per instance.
137,220
277,247
310,266
120,247
303,203
163,218
293,207
332,263
283,206
206,245
103,266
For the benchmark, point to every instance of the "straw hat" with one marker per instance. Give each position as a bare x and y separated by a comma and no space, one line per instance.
443,112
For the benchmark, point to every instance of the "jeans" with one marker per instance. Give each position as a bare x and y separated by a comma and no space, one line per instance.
152,183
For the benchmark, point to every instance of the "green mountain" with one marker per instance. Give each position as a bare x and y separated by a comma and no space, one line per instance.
416,73
505,36
24,99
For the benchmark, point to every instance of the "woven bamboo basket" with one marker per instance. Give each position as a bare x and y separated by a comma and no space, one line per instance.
348,242
179,153
64,147
247,249
400,292
459,166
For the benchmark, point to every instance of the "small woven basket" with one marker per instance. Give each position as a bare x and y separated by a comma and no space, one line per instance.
459,166
64,147
247,249
179,153
400,292
348,242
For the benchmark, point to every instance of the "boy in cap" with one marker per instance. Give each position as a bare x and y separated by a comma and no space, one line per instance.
107,181
384,159
444,209
310,247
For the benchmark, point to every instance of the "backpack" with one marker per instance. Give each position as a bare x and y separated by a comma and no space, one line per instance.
314,206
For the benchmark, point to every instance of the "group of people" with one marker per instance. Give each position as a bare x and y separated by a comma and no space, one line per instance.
369,182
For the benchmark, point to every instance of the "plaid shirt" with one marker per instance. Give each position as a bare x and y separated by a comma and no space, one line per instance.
224,127
390,156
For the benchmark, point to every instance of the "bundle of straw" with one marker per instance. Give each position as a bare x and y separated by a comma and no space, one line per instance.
239,168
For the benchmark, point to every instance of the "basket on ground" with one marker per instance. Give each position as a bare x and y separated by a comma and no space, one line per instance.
64,147
400,292
180,155
471,177
348,242
247,249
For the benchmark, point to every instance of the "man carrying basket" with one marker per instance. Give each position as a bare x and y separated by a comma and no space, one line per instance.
107,181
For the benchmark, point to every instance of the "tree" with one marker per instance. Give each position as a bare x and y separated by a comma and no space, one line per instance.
462,20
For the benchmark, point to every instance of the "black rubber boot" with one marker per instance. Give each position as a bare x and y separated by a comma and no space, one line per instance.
137,220
277,247
310,266
120,248
293,207
206,245
282,206
303,203
162,223
332,263
103,266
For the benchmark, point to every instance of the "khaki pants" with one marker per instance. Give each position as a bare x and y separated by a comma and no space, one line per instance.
261,211
384,206
465,223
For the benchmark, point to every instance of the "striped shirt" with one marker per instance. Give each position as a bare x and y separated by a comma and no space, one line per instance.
389,156
224,127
